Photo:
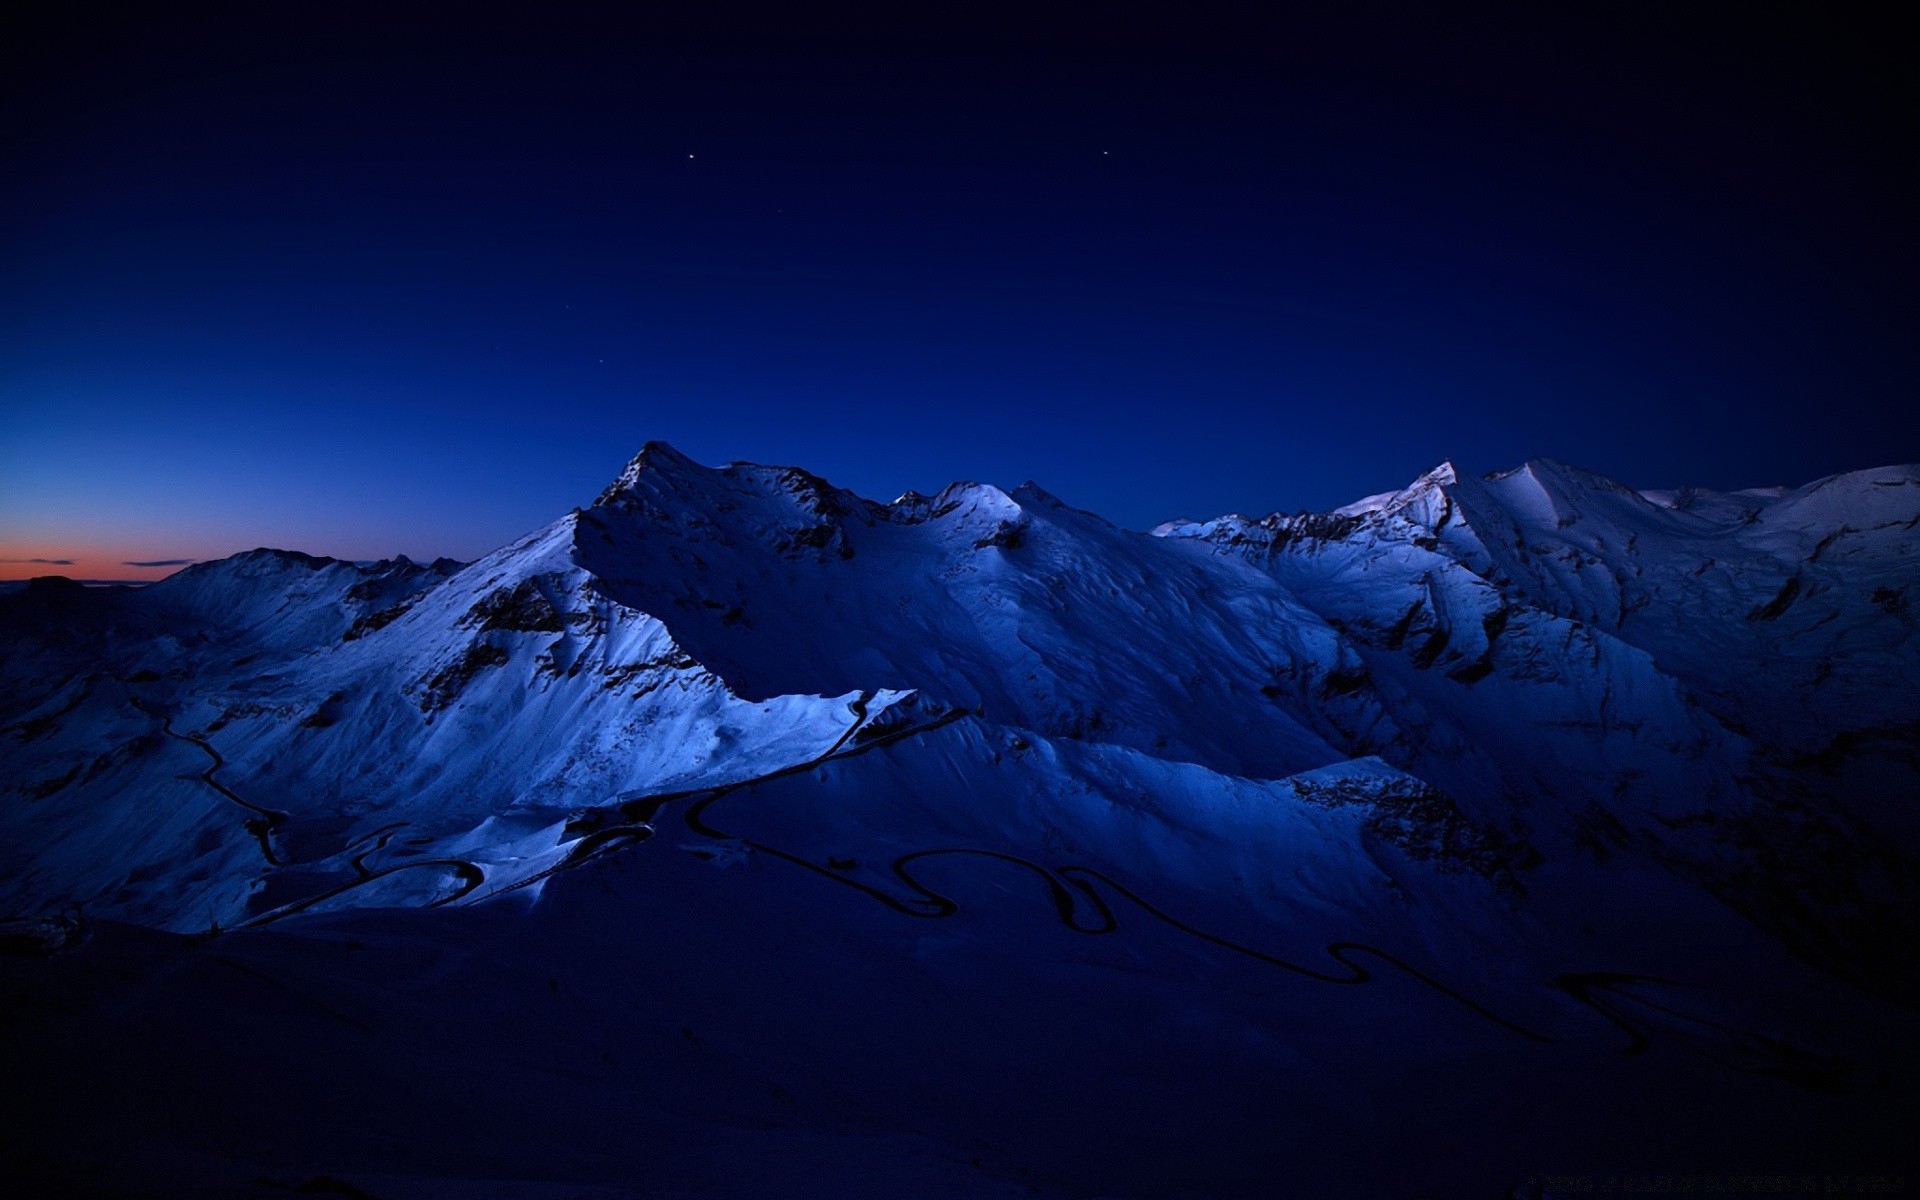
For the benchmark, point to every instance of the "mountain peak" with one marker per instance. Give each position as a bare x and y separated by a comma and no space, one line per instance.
655,458
657,455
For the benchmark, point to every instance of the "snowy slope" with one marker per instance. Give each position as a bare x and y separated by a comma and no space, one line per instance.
1473,778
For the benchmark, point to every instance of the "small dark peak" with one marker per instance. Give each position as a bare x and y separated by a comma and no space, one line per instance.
56,598
399,564
444,567
374,581
391,581
47,587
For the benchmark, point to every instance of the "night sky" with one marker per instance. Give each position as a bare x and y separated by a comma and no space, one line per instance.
414,284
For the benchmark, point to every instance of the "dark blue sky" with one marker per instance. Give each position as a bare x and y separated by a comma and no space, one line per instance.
418,283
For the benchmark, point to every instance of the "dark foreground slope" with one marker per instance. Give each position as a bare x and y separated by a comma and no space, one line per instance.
740,836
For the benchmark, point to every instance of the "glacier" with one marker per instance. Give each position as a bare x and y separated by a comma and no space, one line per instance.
735,834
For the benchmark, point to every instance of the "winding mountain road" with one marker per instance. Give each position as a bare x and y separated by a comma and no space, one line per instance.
469,874
1075,893
264,821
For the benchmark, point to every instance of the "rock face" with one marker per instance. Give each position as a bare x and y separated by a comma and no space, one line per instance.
1527,744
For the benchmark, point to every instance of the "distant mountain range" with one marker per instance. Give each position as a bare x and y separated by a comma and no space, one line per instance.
738,835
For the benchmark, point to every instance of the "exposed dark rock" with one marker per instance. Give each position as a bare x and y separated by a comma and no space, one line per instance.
1772,609
522,608
1473,672
1429,651
1396,634
1342,681
1309,527
364,625
444,685
621,674
816,536
1007,535
1426,824
54,785
326,714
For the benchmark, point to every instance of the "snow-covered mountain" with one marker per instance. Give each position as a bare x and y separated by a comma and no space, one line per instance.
741,835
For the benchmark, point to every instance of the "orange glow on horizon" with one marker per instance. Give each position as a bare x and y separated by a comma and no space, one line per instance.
30,560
